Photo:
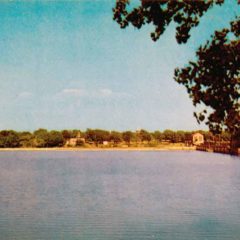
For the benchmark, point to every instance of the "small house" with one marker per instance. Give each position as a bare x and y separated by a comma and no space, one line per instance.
73,142
105,143
197,139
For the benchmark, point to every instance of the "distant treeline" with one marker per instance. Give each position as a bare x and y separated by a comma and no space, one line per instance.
94,137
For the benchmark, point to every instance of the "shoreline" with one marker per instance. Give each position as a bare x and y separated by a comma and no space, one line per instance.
172,148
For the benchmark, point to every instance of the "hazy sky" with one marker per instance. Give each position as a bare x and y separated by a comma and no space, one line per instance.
66,65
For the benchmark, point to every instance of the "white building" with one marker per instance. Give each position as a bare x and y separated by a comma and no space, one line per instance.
197,139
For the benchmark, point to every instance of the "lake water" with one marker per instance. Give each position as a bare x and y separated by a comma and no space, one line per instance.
119,195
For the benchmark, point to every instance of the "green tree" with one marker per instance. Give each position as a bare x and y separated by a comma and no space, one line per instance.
41,137
128,137
169,135
180,136
144,136
214,79
55,139
185,14
115,136
66,134
188,138
75,133
9,139
158,136
3,136
97,136
26,139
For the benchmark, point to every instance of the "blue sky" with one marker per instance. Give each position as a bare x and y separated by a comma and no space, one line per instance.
68,65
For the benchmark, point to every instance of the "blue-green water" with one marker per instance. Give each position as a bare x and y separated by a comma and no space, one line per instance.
119,195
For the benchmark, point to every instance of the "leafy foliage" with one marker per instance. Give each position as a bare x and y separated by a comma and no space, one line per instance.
26,139
186,14
44,138
214,79
127,136
144,135
97,135
66,134
55,139
41,137
9,139
115,136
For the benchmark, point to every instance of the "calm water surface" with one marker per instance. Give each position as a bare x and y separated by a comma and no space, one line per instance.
119,195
